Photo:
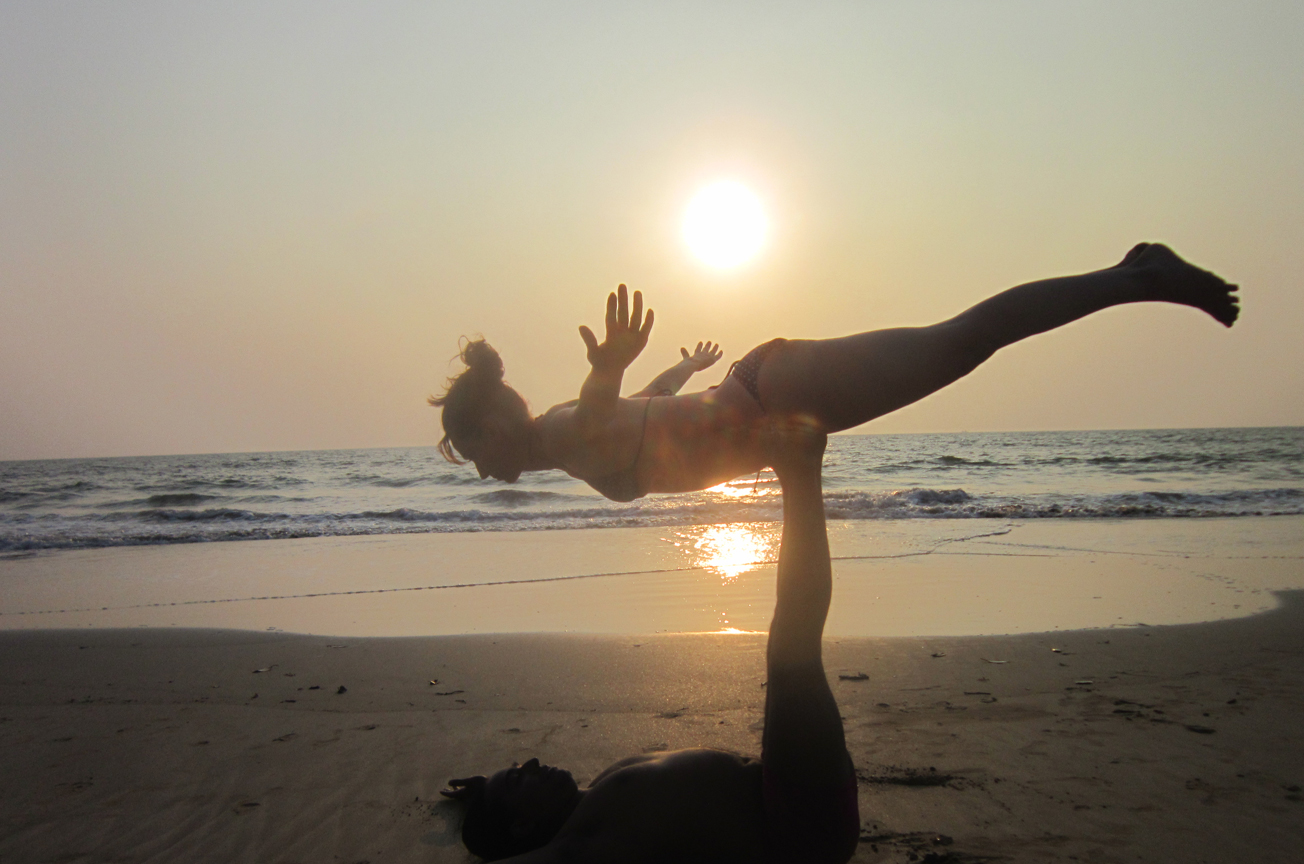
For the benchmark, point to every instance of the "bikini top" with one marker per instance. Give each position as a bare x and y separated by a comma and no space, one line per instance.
622,486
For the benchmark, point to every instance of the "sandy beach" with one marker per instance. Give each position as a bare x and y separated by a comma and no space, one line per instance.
154,708
1175,743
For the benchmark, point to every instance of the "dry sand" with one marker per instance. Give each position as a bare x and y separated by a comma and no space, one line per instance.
1176,743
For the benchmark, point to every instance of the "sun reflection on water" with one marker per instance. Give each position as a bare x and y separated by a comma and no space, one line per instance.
730,550
765,485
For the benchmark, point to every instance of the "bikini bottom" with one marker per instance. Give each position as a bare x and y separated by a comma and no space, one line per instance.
748,369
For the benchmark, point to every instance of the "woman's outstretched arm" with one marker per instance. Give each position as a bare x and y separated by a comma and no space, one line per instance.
625,339
673,379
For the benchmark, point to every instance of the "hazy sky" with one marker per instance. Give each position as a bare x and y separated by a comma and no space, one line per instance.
263,226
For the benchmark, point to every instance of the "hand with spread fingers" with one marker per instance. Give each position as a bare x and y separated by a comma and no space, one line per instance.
627,332
704,357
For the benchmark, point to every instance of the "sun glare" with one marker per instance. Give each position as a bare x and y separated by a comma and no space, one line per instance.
731,550
724,224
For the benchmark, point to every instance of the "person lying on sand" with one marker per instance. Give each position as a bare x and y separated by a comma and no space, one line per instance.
797,803
656,441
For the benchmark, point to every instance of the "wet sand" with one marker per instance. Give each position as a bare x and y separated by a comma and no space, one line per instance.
1175,743
891,578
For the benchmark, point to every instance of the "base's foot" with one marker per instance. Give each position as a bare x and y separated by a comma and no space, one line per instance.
1178,281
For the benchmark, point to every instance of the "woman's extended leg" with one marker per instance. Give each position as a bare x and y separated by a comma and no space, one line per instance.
810,785
841,383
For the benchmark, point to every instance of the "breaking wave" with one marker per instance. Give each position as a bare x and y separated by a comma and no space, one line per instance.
69,504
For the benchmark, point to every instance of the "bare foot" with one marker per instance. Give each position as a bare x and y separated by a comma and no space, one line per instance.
1178,281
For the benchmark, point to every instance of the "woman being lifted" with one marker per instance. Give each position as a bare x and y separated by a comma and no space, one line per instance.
657,441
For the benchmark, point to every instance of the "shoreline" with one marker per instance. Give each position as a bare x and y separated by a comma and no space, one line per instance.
891,579
147,744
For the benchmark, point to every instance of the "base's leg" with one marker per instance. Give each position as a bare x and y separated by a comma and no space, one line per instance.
809,781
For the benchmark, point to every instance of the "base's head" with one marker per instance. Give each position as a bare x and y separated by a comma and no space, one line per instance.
516,810
484,420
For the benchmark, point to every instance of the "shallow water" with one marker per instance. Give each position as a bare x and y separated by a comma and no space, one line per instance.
81,503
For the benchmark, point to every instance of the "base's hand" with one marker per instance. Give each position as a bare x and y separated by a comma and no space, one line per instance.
704,357
626,333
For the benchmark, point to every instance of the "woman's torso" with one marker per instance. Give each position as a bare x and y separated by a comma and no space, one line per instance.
685,806
665,443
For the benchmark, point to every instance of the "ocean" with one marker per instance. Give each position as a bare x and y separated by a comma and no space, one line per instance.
1131,474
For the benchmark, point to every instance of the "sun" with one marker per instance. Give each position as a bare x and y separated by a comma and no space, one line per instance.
725,224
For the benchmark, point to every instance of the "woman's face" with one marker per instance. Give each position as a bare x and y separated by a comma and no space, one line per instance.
502,446
539,798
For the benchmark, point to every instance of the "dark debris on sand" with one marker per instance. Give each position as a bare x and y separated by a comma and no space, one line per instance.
924,847
896,775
